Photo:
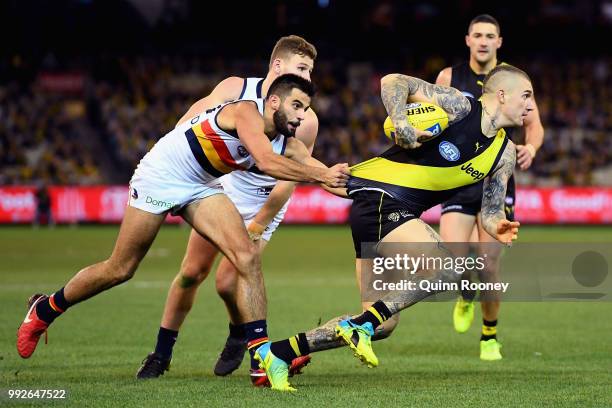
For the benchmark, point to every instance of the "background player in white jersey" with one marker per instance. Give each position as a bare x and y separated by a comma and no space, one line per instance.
260,200
180,175
460,221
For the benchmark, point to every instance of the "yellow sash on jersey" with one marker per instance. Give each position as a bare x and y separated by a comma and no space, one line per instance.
429,177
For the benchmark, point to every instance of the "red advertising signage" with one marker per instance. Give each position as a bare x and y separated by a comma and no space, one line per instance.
17,204
309,205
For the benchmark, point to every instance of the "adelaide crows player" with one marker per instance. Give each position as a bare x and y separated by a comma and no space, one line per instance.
261,201
460,221
407,180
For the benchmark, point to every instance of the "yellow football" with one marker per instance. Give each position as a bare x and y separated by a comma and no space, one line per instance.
423,116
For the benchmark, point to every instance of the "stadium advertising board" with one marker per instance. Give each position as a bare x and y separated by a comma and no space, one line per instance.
309,205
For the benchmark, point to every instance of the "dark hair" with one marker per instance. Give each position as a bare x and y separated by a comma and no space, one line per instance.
293,44
285,83
502,68
485,18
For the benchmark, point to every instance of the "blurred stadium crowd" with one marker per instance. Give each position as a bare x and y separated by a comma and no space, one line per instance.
99,133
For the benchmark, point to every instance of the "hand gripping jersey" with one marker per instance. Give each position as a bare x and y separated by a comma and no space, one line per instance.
421,178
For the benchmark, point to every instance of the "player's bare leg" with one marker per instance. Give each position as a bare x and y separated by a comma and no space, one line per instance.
195,267
226,280
198,260
461,228
386,329
490,300
136,234
217,218
357,332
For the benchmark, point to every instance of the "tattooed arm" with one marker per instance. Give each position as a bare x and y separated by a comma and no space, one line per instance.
493,199
396,90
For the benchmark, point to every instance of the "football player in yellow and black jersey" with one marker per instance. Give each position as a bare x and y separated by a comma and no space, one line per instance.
392,190
459,221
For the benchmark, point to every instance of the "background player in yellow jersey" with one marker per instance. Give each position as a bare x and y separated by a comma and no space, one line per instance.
258,200
391,191
460,220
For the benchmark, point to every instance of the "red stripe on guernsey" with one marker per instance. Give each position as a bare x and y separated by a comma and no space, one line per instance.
54,306
219,145
256,342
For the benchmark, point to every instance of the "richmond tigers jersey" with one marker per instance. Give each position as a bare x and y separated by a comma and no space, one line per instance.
426,176
220,151
466,80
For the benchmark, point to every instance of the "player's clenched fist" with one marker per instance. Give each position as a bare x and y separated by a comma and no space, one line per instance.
337,175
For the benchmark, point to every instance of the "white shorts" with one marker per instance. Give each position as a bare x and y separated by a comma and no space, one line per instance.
168,178
249,198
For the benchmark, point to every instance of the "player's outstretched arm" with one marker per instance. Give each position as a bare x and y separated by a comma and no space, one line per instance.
282,191
398,89
225,91
296,150
493,197
250,127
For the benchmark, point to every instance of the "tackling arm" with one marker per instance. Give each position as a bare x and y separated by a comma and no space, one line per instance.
225,91
250,127
397,89
493,198
282,191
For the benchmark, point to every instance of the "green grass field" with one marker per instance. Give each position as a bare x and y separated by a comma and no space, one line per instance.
556,354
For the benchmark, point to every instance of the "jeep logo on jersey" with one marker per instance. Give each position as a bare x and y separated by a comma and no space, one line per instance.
242,151
159,203
435,129
471,171
449,151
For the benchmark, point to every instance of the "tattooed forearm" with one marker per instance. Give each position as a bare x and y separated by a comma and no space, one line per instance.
399,88
394,93
494,191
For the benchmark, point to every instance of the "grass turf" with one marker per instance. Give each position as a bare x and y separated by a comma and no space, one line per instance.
556,354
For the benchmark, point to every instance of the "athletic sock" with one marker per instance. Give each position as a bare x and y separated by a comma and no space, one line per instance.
291,348
489,330
256,335
165,342
49,309
376,314
237,331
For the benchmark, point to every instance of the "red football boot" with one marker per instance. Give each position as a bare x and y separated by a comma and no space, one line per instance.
31,329
260,379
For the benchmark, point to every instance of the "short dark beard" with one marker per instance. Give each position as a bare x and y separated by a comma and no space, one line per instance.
282,124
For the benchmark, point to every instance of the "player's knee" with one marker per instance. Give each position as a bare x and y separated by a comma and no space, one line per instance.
226,282
193,272
386,329
122,271
248,260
